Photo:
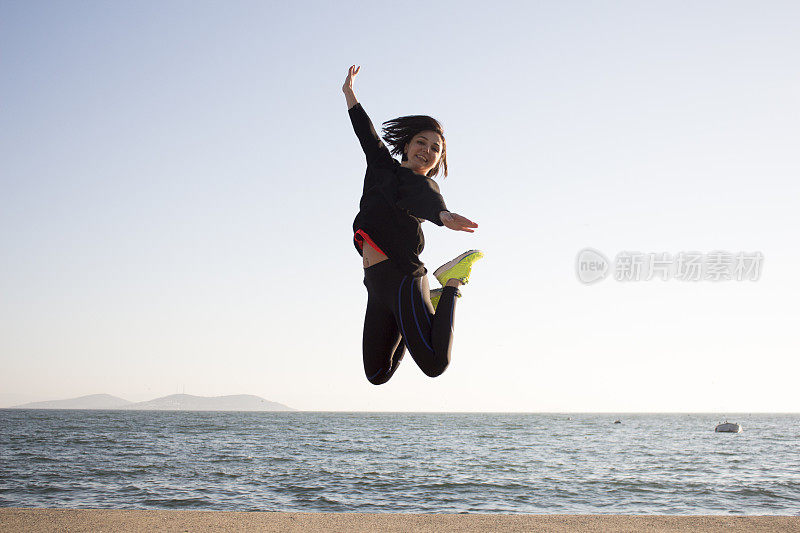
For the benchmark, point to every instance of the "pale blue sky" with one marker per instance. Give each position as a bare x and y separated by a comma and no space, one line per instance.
179,181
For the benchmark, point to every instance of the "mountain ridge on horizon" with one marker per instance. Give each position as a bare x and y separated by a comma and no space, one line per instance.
172,402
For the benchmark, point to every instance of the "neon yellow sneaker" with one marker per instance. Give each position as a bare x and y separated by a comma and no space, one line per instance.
437,293
459,268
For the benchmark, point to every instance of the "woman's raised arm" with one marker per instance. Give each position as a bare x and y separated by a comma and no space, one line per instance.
347,88
376,152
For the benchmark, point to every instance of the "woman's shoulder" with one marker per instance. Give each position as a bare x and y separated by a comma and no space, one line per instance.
390,164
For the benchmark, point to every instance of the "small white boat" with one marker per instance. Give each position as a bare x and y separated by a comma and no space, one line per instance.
728,427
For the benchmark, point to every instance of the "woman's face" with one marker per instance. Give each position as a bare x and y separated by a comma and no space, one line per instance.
424,152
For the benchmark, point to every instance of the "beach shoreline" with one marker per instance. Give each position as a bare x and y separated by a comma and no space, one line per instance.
54,519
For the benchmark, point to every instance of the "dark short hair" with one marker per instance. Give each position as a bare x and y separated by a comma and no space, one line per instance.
399,131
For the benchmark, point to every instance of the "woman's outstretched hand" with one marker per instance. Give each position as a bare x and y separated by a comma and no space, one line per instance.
347,88
456,222
348,81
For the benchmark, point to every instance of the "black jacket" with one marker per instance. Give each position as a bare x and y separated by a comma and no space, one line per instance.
394,201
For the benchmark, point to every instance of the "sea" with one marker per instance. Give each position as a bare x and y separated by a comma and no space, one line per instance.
672,464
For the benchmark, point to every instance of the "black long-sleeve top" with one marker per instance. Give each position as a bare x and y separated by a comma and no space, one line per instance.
395,200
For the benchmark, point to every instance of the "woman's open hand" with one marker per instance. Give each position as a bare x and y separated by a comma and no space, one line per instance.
348,81
456,222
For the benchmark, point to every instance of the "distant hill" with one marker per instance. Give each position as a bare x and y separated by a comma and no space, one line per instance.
187,402
174,402
92,401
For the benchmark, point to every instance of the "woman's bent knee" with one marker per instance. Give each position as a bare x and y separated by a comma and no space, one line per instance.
378,379
436,370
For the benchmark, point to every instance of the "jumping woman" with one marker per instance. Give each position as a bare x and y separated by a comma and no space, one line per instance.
402,312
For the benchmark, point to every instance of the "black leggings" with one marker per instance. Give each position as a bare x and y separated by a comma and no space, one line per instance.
400,315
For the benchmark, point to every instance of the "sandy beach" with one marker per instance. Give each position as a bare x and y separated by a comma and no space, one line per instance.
97,520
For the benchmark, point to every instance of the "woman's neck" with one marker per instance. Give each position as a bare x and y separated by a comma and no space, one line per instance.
409,167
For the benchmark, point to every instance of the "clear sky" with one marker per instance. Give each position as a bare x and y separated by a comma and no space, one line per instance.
178,182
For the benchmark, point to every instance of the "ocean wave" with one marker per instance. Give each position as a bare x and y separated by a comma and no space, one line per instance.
656,464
